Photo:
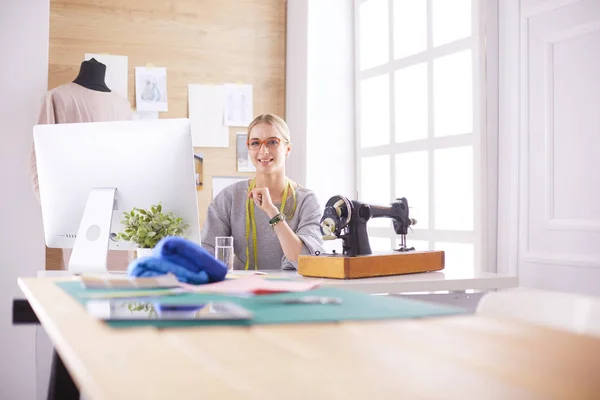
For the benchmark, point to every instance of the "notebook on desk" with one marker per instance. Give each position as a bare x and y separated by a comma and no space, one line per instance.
123,281
115,280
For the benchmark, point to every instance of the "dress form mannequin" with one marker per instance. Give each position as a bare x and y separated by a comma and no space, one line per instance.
91,75
85,99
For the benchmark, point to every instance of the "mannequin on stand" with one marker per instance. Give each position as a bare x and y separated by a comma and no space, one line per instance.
86,99
91,75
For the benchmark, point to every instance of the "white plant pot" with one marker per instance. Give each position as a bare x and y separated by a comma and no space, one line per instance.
141,252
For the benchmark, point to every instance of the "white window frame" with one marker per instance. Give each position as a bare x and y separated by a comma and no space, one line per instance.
484,47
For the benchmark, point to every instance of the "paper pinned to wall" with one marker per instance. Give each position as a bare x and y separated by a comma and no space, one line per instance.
199,166
206,106
221,182
151,89
144,115
238,107
116,77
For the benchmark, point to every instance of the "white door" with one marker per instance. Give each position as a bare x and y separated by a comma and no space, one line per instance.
558,216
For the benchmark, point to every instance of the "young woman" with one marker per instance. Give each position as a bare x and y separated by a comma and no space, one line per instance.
272,219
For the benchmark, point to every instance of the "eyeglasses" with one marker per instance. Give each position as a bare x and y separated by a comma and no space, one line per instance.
270,143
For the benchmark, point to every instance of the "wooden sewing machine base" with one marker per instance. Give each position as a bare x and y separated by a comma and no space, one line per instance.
396,263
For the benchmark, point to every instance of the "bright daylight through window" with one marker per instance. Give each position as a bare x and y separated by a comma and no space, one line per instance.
417,121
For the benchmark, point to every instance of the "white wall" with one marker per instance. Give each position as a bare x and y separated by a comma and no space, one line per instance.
330,146
296,89
320,97
23,81
549,138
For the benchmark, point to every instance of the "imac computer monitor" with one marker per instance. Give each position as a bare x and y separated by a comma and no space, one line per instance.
90,173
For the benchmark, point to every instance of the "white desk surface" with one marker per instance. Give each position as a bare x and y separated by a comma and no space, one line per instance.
420,282
409,283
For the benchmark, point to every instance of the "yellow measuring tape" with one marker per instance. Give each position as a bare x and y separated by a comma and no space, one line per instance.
250,215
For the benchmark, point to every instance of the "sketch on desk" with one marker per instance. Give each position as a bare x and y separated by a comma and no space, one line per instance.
151,89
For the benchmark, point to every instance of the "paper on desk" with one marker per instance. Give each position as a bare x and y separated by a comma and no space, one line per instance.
238,107
109,281
116,76
206,105
252,285
133,294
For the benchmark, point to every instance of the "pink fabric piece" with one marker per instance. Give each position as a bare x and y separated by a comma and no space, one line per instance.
253,285
73,103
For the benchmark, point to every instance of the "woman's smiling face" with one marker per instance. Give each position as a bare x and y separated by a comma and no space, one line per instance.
267,147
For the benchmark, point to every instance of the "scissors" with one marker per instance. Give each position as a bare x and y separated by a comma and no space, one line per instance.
313,300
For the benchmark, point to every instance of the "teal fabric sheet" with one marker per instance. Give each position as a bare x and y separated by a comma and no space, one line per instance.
268,309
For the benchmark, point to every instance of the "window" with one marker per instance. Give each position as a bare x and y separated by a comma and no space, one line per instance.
418,124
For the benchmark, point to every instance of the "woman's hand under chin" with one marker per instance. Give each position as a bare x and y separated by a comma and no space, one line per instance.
262,200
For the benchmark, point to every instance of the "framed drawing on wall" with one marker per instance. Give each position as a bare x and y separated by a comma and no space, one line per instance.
198,162
244,163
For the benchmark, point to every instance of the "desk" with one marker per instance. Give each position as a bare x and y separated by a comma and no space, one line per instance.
397,284
460,289
420,282
453,357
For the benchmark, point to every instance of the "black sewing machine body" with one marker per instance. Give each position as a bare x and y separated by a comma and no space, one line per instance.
347,220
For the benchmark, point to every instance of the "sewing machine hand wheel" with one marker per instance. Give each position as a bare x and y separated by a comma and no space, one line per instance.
337,216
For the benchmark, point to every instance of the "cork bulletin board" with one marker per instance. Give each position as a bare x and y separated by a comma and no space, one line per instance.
197,41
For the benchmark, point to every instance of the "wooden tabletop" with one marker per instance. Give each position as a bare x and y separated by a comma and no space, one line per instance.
446,280
461,357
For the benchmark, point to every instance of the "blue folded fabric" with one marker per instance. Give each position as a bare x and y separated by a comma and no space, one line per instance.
154,266
191,256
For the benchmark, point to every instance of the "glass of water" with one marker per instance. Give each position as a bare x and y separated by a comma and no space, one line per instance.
224,250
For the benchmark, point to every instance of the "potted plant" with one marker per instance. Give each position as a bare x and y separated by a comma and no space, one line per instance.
146,227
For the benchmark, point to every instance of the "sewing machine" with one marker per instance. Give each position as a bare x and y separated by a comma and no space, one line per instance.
347,220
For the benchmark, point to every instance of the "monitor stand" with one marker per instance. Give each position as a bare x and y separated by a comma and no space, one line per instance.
90,251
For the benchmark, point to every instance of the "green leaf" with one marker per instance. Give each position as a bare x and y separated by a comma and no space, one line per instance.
146,227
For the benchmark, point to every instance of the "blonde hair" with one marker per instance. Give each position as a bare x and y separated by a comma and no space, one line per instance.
273,120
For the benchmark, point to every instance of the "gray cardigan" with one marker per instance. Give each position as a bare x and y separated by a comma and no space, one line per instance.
227,217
